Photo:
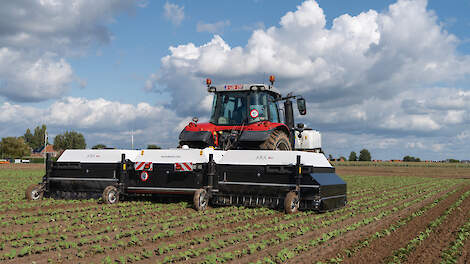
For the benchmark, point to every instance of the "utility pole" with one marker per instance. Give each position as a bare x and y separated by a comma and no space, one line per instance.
45,146
132,139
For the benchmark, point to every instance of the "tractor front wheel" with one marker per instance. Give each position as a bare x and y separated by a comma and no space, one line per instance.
278,140
110,195
291,203
200,200
34,192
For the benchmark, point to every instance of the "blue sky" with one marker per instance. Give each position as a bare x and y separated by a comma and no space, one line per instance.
389,76
142,37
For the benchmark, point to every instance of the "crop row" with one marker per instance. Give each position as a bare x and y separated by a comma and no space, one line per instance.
157,235
84,220
401,254
349,208
359,245
101,223
299,227
286,253
162,225
452,253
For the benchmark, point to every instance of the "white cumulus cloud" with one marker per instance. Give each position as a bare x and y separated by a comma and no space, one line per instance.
369,55
101,121
174,13
36,37
217,27
376,73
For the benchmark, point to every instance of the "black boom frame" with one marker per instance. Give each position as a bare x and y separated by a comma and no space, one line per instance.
317,188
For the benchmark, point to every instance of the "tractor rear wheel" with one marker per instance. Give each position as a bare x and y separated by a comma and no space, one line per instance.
200,200
278,140
291,203
34,192
110,195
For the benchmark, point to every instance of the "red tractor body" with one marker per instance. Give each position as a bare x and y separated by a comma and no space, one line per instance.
244,116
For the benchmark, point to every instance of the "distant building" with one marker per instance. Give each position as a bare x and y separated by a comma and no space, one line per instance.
465,161
41,152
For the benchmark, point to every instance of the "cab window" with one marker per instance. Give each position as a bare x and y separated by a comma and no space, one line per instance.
273,110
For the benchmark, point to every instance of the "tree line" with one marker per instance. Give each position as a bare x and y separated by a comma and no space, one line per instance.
17,147
22,146
364,155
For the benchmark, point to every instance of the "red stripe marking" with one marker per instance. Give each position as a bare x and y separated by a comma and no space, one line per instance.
188,168
178,167
150,167
139,165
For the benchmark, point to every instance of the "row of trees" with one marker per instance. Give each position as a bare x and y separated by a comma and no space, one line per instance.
364,155
17,147
411,159
14,147
36,140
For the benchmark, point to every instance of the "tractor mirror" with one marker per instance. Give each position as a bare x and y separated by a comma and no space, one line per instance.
301,106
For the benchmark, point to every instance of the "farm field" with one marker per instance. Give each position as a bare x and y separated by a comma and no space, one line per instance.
395,214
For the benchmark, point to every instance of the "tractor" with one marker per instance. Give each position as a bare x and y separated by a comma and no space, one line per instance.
246,116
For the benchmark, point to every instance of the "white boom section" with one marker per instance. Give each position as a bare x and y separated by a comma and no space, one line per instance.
96,155
178,155
272,157
230,157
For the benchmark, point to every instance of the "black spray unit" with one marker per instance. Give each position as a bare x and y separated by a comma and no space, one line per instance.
277,179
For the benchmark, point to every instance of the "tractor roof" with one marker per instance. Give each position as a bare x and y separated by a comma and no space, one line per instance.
244,87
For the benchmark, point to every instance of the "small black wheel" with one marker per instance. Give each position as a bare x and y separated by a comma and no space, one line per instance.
34,192
200,200
110,195
291,203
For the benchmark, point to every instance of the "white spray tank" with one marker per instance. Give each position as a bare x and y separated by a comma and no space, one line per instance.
309,140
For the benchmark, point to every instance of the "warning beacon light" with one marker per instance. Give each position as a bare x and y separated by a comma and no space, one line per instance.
272,79
208,82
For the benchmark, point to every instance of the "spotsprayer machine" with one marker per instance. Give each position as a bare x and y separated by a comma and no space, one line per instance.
243,156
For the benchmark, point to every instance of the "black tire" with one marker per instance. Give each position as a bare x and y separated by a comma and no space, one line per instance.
110,195
291,203
278,140
200,200
34,192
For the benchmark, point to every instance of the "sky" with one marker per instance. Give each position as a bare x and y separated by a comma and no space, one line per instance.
389,76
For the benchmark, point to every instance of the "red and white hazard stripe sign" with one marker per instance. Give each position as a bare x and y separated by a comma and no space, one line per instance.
184,166
147,166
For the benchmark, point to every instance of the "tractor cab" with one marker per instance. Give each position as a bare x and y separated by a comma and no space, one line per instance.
244,107
245,116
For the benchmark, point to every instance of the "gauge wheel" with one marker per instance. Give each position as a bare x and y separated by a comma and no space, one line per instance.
34,192
291,203
110,195
200,200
